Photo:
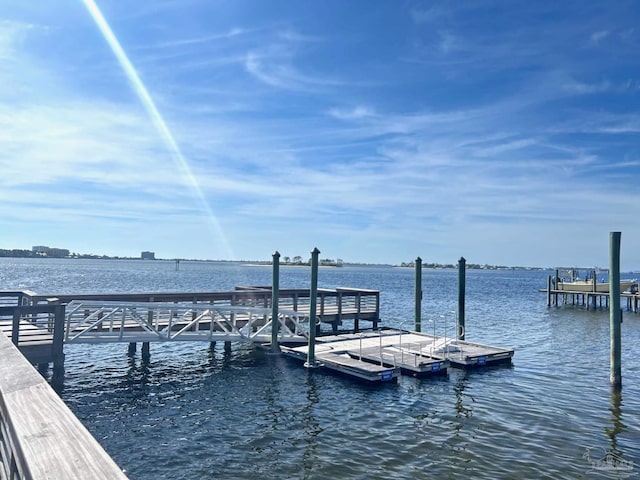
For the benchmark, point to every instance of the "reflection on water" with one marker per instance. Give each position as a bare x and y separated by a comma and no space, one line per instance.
312,427
617,426
462,411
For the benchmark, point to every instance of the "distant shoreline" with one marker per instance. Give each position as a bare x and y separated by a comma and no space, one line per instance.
258,263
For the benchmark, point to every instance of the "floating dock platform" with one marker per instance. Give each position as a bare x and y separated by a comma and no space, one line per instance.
396,351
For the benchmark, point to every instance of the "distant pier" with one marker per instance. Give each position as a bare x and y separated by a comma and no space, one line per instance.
589,294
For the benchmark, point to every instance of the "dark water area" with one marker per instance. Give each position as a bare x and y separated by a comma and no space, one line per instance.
194,412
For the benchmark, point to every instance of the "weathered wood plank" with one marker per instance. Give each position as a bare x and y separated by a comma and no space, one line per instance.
43,433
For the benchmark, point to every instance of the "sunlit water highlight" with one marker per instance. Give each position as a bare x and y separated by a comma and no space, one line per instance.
195,413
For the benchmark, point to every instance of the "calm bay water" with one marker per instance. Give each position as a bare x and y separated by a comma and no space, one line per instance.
195,413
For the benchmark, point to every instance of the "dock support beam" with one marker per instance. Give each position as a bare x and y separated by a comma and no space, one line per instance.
275,295
462,272
418,296
615,314
131,349
313,298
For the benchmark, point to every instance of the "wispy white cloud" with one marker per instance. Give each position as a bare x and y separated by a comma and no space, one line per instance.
599,36
355,113
277,71
580,88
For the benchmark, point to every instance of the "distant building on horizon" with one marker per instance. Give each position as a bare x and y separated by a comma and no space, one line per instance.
148,255
50,252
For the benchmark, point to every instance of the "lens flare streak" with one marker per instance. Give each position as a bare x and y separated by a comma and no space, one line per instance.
157,119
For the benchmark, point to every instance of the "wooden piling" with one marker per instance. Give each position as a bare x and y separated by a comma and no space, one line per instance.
461,293
275,294
615,314
311,356
57,378
418,296
131,350
146,353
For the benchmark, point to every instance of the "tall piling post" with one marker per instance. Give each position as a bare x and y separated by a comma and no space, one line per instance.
615,314
58,345
313,298
418,296
461,293
275,296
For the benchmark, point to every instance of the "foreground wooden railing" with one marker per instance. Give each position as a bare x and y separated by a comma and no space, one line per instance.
40,438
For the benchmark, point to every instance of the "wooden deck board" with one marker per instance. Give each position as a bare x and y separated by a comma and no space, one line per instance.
44,432
407,360
470,353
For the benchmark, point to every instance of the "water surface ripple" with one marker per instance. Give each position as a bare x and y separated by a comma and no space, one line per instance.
196,412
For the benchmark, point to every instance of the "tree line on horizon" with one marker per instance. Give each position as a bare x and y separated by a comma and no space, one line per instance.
325,262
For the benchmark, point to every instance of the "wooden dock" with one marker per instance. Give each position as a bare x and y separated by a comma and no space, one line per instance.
590,300
40,438
593,295
410,353
244,314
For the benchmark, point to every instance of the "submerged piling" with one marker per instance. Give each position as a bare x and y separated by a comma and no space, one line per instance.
275,294
615,314
146,351
313,298
418,296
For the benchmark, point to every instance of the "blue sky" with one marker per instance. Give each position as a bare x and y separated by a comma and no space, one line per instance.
506,132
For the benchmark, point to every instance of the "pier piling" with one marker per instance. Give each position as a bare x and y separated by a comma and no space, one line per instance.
461,293
615,314
418,296
57,378
311,355
146,352
275,294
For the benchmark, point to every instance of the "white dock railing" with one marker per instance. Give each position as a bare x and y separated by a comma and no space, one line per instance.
104,322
